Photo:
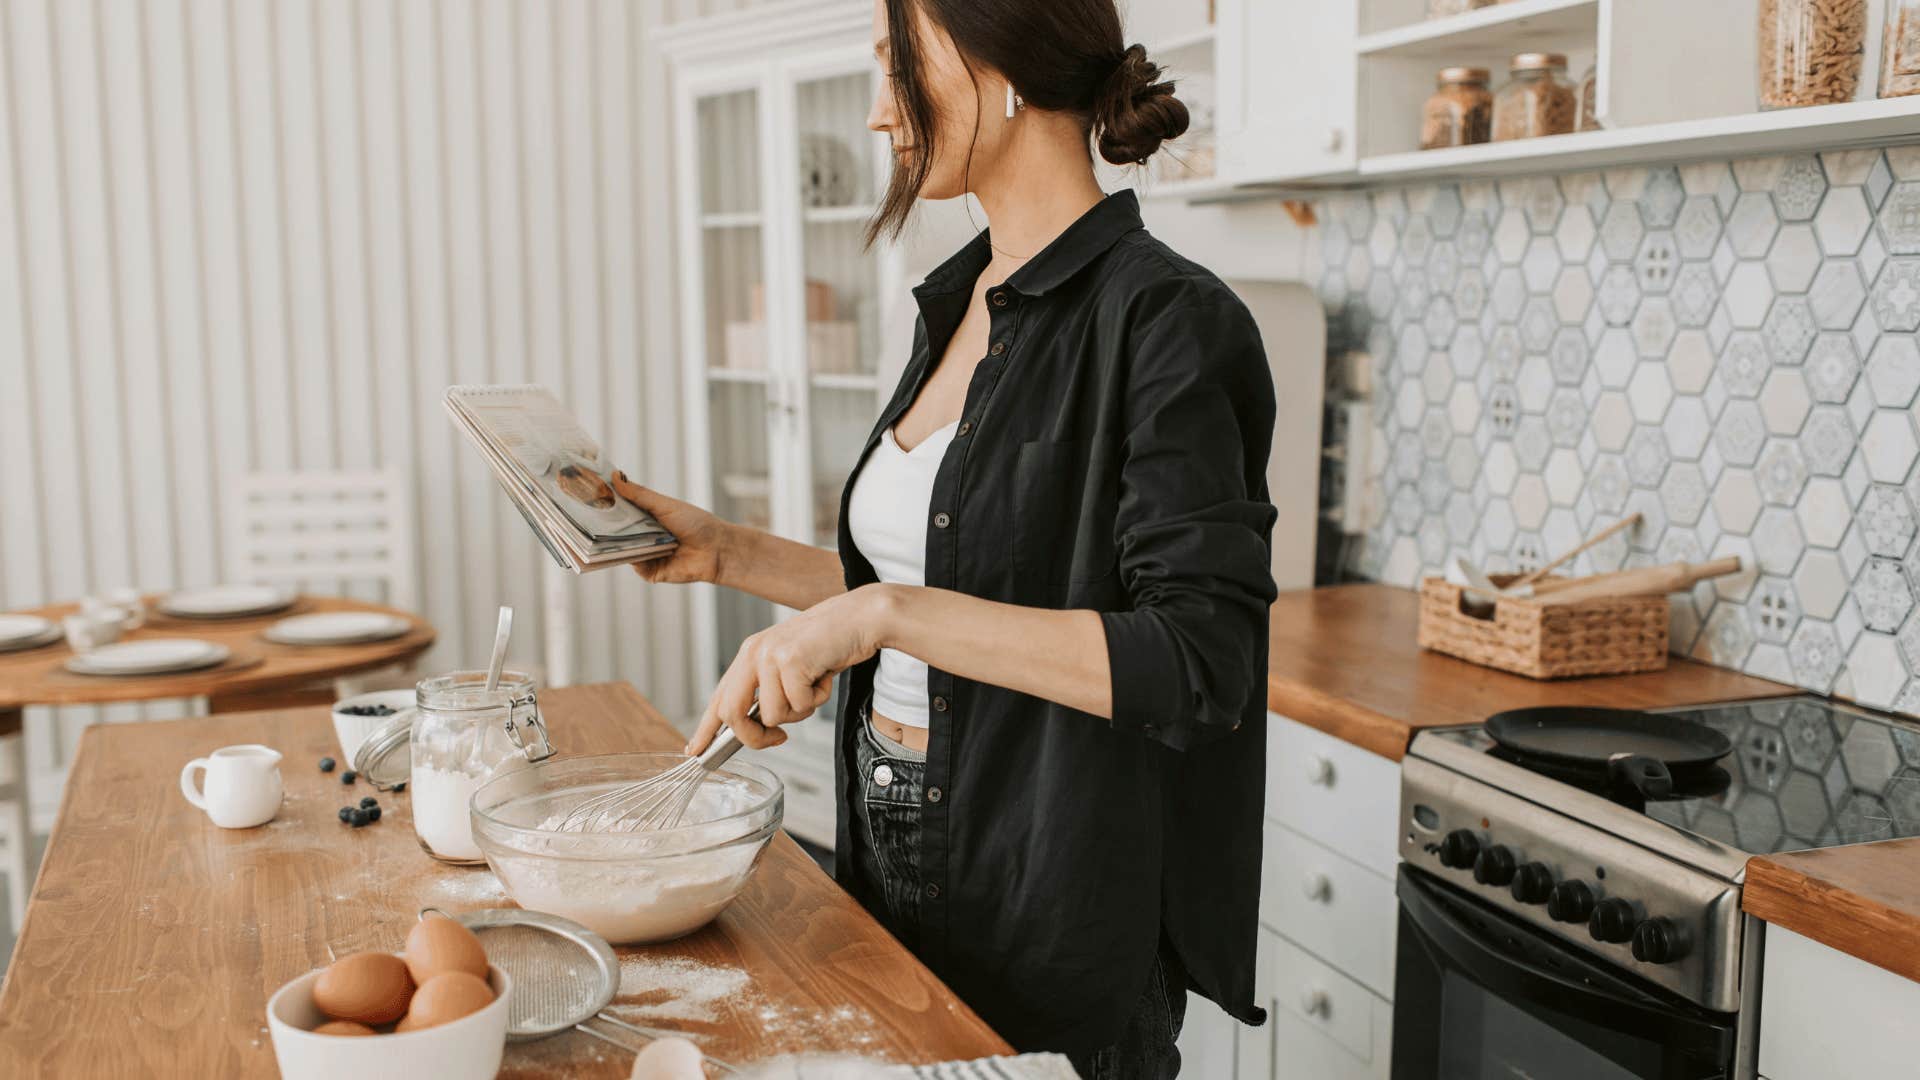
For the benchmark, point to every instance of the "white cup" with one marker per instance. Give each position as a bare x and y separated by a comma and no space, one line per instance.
132,604
242,787
89,630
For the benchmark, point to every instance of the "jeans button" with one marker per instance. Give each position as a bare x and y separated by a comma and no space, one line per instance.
882,775
933,794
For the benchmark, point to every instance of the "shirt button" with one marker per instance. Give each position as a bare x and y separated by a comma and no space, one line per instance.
999,348
933,794
933,891
941,520
999,299
965,426
882,775
939,704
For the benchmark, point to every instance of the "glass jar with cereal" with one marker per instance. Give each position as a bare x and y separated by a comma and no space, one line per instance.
1538,100
1460,112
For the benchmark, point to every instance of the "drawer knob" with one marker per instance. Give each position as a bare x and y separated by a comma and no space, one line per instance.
1317,886
1320,770
1315,1001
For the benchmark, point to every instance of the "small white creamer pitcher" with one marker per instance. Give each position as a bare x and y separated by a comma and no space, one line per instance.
242,787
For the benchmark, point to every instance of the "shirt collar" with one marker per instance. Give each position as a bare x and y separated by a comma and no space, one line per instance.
1085,240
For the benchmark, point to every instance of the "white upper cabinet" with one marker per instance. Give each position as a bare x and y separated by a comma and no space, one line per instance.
1287,88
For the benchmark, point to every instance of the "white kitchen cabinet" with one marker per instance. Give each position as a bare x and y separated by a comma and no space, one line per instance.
1826,1014
781,305
1287,87
1320,1023
1326,788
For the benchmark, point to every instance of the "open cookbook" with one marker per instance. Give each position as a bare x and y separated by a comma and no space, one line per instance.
555,475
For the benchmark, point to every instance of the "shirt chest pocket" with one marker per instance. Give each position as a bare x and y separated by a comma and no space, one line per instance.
1066,501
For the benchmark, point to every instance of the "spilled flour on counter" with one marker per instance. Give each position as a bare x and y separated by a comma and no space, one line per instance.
675,988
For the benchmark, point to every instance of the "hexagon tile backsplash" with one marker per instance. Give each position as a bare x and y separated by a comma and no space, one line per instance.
1726,347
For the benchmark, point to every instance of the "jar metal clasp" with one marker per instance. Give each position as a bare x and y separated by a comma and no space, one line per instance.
527,730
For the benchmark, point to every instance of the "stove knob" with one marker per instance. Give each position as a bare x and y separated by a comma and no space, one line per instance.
1613,921
1659,941
1533,883
1570,901
1458,850
1494,866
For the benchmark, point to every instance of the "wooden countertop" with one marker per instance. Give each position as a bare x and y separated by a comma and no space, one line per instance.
1343,659
1863,899
153,938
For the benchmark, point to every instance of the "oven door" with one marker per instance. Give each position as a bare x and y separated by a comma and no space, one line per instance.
1478,994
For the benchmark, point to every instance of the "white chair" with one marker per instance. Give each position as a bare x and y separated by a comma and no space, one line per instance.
15,835
335,532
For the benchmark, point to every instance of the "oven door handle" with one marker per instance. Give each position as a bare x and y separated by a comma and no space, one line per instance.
1602,1000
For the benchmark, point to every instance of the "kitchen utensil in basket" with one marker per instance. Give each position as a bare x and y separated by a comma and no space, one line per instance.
657,802
564,976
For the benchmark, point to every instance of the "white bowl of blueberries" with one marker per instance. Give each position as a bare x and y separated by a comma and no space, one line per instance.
357,717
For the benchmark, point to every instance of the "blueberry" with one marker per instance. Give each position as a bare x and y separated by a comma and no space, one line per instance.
346,812
357,817
401,786
348,776
326,764
373,813
383,710
369,801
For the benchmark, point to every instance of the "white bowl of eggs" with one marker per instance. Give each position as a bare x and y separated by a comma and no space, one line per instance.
427,1011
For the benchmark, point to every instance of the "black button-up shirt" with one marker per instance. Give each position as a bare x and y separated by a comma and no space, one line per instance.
1112,456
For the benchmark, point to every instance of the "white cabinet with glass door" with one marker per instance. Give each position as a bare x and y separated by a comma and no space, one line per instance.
781,310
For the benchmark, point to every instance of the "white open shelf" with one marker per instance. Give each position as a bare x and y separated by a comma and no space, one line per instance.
737,375
745,219
1783,131
1509,28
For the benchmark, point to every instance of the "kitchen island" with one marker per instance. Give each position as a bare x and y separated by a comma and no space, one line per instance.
153,938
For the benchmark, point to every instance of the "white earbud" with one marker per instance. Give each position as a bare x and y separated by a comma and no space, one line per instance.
1013,101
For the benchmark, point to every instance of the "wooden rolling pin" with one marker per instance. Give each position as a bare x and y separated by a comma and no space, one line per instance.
1646,581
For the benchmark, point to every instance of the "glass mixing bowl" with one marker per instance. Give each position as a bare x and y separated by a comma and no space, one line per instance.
629,887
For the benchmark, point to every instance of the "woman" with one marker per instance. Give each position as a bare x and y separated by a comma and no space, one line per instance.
1050,597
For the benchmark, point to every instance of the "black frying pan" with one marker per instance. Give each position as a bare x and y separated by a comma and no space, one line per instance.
1640,749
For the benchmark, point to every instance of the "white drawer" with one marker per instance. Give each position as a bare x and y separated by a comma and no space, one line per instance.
1826,1014
1346,911
1346,1036
1340,795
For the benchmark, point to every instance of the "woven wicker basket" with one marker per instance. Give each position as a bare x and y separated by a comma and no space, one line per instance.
1604,636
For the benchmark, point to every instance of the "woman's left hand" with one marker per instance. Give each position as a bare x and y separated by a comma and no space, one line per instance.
790,667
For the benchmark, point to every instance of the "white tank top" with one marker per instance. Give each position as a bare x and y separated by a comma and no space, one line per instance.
887,515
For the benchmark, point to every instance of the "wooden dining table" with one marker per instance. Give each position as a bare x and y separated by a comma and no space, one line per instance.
153,938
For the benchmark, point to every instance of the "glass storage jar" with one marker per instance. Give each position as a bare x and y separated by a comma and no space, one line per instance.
1440,9
1900,49
1589,84
1460,112
1810,51
1538,100
463,735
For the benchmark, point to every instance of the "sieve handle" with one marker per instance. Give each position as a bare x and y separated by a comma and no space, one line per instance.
646,1033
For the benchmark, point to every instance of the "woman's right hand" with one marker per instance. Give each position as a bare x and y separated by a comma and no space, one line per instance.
704,538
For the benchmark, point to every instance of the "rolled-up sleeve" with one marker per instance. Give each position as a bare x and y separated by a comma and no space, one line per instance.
1188,660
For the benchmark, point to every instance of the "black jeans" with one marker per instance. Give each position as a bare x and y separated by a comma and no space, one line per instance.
886,858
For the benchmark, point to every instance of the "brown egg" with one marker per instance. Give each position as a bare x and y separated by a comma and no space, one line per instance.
368,988
437,944
343,1027
444,998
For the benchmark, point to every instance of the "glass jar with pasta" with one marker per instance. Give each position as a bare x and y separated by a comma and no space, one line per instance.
1900,54
1538,100
1810,51
1460,112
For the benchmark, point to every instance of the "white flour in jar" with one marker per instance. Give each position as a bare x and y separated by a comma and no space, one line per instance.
440,816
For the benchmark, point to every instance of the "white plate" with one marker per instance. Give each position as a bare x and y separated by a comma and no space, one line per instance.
152,656
226,601
18,628
337,628
46,637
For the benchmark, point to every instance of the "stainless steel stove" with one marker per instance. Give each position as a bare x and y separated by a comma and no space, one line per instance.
1553,894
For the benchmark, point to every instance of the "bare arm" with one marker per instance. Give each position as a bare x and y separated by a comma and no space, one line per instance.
1056,655
777,569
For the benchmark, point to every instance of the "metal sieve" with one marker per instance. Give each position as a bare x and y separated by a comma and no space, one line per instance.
564,976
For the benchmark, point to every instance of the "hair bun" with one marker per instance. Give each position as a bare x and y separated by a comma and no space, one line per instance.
1136,111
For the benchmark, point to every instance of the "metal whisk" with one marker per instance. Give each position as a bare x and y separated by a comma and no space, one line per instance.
657,802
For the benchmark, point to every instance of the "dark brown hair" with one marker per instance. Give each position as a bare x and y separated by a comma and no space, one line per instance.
1060,55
